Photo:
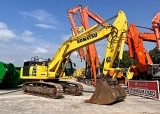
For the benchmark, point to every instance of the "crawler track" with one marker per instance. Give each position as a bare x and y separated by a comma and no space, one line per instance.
45,89
85,81
71,88
52,90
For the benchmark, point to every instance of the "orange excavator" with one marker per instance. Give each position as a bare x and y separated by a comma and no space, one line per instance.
91,55
145,74
145,69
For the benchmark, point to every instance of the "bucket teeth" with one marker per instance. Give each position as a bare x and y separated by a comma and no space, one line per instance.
107,92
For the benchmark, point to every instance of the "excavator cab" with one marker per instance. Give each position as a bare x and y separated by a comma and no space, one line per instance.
68,68
154,71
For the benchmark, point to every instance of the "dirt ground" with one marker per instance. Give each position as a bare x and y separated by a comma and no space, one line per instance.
13,101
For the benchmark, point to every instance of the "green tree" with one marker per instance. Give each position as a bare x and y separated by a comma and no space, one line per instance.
155,55
124,63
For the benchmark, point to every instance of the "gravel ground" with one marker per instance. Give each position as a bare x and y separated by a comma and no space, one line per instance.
13,101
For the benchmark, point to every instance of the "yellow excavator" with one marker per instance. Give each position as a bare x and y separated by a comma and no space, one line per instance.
42,76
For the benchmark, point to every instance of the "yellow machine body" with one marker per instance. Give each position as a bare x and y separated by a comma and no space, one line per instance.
53,69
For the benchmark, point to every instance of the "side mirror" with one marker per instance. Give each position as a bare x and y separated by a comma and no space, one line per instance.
49,59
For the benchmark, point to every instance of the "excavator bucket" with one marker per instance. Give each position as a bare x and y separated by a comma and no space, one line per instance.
107,92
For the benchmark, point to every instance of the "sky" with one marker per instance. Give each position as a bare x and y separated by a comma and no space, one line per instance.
31,28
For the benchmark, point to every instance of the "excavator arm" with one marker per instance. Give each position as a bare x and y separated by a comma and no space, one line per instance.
92,59
115,43
76,11
137,51
136,47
